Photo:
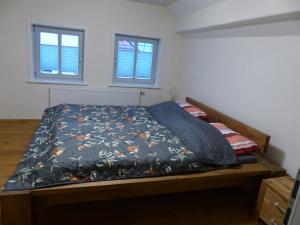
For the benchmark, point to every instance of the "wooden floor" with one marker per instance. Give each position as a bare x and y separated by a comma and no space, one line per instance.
14,137
214,207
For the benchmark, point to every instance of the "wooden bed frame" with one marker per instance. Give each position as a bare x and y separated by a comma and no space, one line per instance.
25,207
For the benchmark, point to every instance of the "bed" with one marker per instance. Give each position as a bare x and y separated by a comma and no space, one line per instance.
29,203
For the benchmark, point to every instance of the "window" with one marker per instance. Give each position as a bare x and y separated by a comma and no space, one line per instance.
58,54
135,60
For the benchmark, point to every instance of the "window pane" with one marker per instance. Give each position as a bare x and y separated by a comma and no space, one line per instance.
69,54
49,53
125,61
144,61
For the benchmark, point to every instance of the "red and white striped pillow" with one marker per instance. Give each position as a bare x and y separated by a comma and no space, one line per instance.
193,110
240,144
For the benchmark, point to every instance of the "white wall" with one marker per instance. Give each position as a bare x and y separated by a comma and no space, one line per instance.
254,79
250,72
101,18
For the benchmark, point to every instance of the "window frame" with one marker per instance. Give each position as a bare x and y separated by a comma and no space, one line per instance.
155,58
57,78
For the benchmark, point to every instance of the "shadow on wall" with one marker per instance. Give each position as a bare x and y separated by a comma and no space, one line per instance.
275,154
283,28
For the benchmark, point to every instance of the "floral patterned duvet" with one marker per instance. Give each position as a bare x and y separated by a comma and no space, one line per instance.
84,143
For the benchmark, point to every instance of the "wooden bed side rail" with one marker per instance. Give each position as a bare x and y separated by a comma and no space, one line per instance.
16,208
23,207
259,137
186,182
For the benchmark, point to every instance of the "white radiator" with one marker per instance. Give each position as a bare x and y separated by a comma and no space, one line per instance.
89,96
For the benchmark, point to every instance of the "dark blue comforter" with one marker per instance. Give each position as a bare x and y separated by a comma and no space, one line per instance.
84,143
208,144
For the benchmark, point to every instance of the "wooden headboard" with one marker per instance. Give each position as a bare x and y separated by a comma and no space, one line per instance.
259,137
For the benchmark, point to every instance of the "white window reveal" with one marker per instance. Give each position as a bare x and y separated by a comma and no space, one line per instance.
135,61
58,54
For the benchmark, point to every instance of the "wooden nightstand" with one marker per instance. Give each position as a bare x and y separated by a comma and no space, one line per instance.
273,199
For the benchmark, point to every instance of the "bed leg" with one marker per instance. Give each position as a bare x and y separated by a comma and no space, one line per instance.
15,208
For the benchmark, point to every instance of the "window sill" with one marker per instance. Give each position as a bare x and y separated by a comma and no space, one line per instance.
57,82
135,86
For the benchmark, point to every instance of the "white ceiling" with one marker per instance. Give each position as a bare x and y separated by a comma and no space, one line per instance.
183,7
156,2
